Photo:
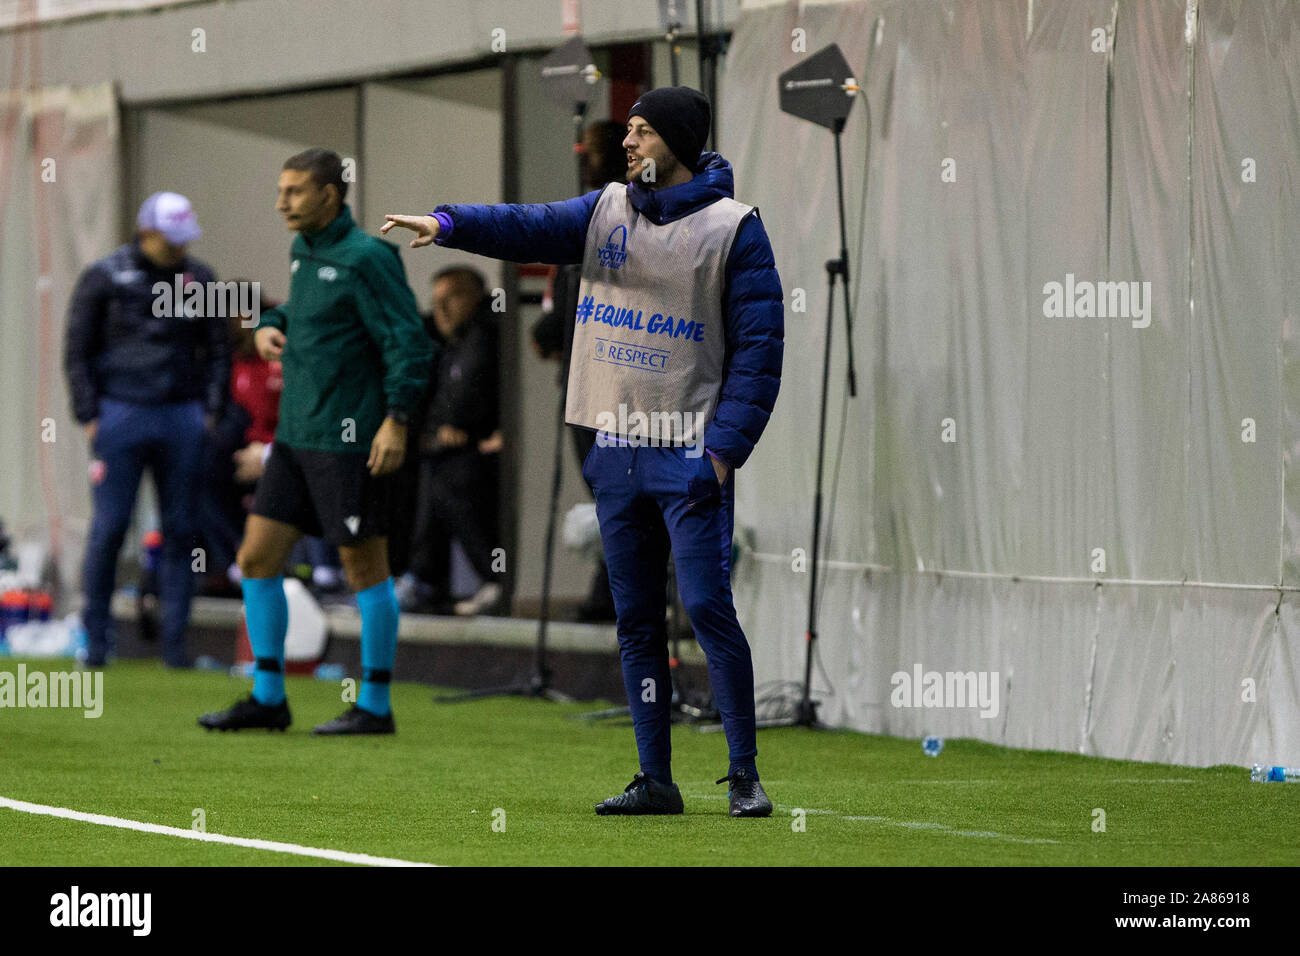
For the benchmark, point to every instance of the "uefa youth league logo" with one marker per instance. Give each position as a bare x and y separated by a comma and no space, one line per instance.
613,253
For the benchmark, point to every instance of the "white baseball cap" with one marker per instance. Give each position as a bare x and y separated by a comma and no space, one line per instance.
172,215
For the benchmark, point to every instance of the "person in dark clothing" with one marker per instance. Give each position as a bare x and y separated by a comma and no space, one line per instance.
458,442
604,161
220,518
234,455
147,371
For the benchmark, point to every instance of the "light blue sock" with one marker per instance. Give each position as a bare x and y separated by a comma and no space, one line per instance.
379,611
267,611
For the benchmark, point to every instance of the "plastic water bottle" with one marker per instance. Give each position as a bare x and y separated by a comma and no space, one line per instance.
932,745
330,672
150,558
15,606
40,605
1261,773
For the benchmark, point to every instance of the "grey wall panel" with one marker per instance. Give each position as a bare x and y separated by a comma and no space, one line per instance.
226,157
430,141
1046,632
1169,673
1142,394
1277,725
1133,706
1065,438
1239,308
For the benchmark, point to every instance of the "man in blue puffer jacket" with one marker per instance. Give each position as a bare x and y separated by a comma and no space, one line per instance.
676,367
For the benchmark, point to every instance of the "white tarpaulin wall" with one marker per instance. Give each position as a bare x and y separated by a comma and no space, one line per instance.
1172,160
59,187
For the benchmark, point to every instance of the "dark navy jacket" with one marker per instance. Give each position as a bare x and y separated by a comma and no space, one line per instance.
117,348
467,379
556,232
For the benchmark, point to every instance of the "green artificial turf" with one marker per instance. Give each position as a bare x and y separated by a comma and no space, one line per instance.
429,793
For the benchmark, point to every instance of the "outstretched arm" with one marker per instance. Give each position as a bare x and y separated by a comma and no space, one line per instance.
553,232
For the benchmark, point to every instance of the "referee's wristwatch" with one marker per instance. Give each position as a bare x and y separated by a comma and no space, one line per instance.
399,415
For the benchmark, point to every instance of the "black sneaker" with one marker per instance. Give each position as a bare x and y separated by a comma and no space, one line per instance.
643,796
357,721
746,796
248,714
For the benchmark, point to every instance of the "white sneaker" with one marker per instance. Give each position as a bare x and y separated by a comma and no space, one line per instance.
488,596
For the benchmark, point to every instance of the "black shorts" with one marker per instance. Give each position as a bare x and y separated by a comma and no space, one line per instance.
324,494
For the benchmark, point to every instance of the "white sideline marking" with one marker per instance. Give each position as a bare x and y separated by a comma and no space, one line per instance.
944,828
905,824
274,846
1151,780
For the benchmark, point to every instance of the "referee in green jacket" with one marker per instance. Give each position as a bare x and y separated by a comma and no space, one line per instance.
356,362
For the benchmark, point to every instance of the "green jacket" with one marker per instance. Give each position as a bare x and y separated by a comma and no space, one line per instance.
354,343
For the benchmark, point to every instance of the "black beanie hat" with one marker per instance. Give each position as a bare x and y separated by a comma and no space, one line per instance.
681,116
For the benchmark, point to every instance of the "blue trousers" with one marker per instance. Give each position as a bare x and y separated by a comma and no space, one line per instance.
168,439
650,500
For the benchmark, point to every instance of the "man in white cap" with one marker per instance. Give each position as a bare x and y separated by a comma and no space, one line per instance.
147,375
